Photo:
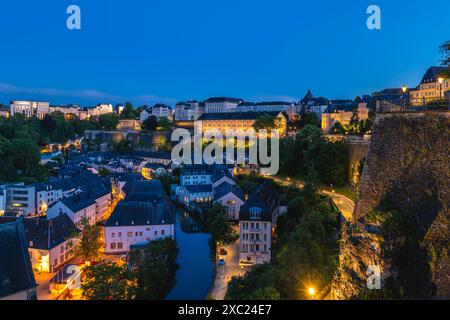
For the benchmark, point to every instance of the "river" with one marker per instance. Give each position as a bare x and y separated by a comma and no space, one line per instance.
195,274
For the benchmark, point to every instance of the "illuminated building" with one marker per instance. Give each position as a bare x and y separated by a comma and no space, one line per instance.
432,87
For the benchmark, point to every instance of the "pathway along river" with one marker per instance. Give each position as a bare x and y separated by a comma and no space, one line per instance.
196,270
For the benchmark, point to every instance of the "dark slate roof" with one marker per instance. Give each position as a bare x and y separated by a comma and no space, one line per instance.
308,96
129,213
155,166
151,154
225,188
247,104
219,172
45,234
200,188
344,107
143,186
78,201
223,99
85,177
236,115
196,169
144,197
264,198
432,74
16,273
161,105
274,103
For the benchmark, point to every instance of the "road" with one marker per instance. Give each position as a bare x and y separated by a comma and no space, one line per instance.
231,269
345,204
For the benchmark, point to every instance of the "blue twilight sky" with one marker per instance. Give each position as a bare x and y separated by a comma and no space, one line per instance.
170,50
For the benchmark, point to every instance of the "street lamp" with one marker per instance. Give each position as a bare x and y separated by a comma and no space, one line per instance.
404,88
311,292
440,79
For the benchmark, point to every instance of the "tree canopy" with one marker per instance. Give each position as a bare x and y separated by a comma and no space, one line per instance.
311,156
304,255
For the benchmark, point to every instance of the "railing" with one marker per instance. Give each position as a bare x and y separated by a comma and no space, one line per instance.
413,104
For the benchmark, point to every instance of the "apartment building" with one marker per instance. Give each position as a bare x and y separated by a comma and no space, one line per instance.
221,104
433,86
255,224
30,108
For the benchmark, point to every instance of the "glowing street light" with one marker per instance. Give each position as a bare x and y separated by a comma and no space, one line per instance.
404,88
440,79
311,292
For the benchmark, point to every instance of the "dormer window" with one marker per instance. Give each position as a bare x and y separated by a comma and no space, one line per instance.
255,213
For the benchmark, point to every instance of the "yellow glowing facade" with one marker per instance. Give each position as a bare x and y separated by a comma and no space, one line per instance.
224,124
430,91
343,117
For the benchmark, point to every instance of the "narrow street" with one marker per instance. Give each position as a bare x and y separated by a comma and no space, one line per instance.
225,273
345,204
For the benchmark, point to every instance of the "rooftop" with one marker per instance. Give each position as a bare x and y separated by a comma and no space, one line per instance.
236,115
16,273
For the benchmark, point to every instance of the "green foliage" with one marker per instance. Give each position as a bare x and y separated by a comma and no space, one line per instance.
444,50
21,139
169,179
108,121
164,124
309,118
107,281
129,112
313,158
216,220
356,127
305,253
87,243
122,147
104,172
266,122
150,124
155,266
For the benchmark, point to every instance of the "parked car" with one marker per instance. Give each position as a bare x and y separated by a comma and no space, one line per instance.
223,252
221,263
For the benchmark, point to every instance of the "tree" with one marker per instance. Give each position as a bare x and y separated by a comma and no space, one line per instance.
108,121
128,111
108,281
306,250
310,118
266,122
103,172
49,123
358,99
161,143
86,243
444,50
155,266
217,222
150,124
123,146
164,124
26,156
338,128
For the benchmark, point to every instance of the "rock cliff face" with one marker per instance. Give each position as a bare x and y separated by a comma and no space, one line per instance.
401,222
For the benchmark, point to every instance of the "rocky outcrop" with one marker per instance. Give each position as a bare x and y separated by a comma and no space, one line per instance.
401,222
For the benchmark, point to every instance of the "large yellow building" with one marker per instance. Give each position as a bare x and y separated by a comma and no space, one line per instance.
343,116
240,121
432,87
